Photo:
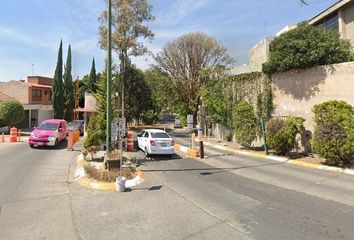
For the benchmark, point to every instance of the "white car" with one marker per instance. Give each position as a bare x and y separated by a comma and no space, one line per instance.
155,141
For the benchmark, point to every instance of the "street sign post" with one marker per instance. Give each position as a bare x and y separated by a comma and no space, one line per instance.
114,130
121,127
190,122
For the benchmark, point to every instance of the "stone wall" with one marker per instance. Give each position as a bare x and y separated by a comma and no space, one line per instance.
296,92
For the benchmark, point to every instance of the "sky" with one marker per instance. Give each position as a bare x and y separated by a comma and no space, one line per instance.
31,30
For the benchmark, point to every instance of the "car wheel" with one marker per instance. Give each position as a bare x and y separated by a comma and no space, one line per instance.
31,146
56,143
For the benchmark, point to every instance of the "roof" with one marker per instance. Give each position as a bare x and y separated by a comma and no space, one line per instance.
330,10
39,85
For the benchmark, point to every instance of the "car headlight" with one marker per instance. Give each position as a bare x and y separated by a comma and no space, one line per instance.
33,135
51,138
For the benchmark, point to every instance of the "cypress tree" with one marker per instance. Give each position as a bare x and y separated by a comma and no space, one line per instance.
101,96
91,85
57,86
68,89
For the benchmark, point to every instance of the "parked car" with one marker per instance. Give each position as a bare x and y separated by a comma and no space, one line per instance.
76,125
178,123
155,141
49,133
5,129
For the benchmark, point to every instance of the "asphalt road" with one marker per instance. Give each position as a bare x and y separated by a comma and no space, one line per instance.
224,196
34,194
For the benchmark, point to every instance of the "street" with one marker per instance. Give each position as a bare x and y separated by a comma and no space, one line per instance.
223,196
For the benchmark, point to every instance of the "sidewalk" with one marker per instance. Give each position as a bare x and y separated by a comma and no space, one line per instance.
304,161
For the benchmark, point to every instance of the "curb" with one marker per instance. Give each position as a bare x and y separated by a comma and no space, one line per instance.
82,180
190,152
283,159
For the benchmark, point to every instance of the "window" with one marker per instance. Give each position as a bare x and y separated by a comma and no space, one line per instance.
36,93
330,23
45,92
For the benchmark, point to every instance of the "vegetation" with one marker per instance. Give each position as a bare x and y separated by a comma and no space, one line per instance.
91,80
57,86
137,95
191,61
94,133
11,113
217,103
306,46
128,31
281,134
245,123
162,93
333,137
108,175
68,89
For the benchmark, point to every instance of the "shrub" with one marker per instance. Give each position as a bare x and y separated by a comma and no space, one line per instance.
94,134
281,134
245,123
333,137
306,46
11,112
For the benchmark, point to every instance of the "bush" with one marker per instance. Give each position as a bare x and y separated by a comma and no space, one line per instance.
281,134
11,113
94,134
306,46
333,137
245,123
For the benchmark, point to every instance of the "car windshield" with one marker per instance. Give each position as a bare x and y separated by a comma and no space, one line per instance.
48,126
159,135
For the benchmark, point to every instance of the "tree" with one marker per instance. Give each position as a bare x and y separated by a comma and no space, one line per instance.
306,46
217,102
57,86
191,61
92,79
11,113
68,89
128,29
138,94
162,93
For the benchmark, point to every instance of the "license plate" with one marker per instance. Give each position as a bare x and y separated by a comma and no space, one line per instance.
163,144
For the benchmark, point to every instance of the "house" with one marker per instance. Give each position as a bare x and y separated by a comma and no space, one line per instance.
338,17
34,95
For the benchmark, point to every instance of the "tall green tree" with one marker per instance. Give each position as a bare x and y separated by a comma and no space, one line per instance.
68,89
92,79
191,61
128,31
162,93
58,87
137,94
101,96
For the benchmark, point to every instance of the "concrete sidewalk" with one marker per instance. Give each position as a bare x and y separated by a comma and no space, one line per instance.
236,148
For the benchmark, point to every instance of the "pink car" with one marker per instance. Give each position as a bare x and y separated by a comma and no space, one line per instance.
49,133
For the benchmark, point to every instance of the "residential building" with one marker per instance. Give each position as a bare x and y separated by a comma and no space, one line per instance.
338,17
34,95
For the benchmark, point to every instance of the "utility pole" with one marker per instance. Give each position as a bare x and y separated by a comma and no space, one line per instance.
109,77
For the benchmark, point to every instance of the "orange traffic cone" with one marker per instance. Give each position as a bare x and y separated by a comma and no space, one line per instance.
70,141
